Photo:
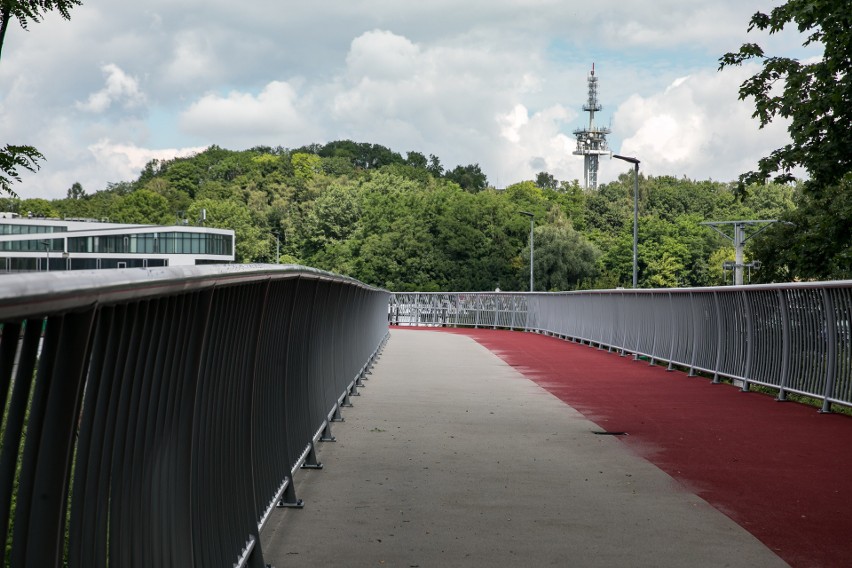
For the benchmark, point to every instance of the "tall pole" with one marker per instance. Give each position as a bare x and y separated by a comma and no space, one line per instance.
532,253
277,248
635,163
739,243
532,246
635,222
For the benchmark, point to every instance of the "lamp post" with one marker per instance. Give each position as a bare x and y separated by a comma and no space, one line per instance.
635,163
532,245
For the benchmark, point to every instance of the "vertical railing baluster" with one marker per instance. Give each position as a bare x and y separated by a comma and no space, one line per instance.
830,331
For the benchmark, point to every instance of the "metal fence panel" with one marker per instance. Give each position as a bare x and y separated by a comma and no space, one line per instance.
154,417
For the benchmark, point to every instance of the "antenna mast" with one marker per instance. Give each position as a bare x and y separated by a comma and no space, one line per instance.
591,141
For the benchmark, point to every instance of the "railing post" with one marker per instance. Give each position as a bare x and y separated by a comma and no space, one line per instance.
637,323
749,341
674,329
496,310
695,334
831,348
720,338
785,345
623,320
654,342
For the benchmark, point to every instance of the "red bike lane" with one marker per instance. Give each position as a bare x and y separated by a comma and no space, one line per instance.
782,471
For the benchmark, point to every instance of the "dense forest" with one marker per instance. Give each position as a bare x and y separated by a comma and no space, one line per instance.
406,223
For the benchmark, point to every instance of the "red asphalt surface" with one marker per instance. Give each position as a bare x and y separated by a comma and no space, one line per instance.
782,471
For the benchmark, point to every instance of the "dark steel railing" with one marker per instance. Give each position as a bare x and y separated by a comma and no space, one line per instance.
155,417
792,337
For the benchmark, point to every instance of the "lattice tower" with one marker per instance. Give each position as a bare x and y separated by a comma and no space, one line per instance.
591,141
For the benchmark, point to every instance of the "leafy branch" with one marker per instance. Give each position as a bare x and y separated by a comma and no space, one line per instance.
13,159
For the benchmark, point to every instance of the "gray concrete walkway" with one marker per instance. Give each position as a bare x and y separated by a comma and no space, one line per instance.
452,458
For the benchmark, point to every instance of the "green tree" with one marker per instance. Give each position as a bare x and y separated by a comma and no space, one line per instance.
815,96
37,208
142,207
815,243
416,160
252,243
306,166
470,178
564,259
718,275
545,180
395,244
76,191
332,219
178,200
435,168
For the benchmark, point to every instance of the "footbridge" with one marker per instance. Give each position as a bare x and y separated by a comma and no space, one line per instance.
170,417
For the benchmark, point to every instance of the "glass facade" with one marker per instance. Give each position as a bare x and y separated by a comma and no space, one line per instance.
41,245
157,243
17,229
109,248
30,264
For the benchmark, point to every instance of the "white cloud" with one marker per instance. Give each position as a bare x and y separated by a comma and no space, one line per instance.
696,127
535,143
512,122
382,55
273,116
118,87
125,161
193,59
498,82
458,100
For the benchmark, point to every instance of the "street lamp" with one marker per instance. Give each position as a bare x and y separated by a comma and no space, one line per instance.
635,163
532,244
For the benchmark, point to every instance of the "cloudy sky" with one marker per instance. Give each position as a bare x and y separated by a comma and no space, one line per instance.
495,82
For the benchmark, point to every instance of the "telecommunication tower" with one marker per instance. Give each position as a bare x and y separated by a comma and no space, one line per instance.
591,141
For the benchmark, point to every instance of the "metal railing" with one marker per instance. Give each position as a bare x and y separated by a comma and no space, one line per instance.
792,337
155,417
460,309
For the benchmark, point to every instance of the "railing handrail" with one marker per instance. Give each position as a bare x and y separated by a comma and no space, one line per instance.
27,294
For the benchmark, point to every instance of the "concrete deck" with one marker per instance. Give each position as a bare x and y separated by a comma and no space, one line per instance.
452,458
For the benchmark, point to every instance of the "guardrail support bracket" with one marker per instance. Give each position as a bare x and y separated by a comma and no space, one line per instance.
288,499
326,434
336,416
311,461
